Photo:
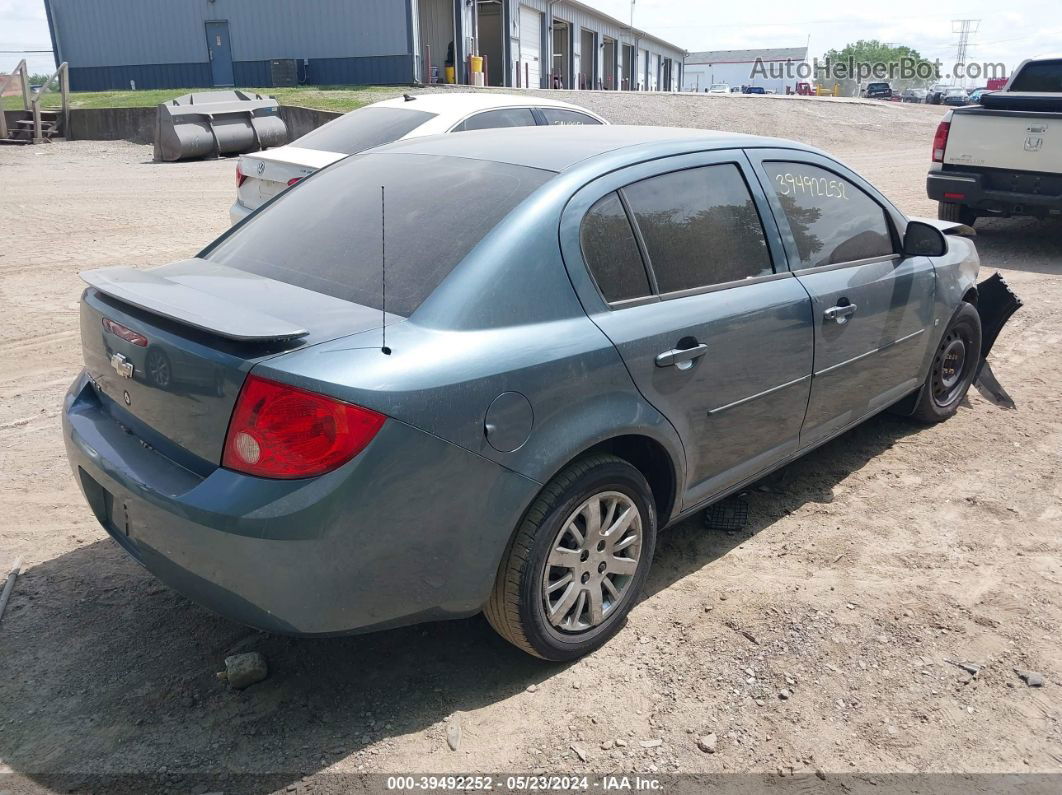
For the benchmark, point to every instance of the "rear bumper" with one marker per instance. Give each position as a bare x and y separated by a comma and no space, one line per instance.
412,529
970,190
238,212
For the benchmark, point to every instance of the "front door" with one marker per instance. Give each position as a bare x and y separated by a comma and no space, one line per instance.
220,52
689,282
873,306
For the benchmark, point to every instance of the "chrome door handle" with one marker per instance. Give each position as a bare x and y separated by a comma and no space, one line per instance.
681,357
840,313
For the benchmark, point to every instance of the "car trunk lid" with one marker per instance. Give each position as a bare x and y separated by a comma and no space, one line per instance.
267,174
171,346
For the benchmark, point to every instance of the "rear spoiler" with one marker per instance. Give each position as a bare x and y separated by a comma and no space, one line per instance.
195,308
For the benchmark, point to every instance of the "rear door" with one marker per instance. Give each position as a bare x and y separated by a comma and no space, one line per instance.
679,264
872,306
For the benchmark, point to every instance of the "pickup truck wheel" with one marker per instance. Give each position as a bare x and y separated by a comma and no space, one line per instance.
577,562
954,364
949,211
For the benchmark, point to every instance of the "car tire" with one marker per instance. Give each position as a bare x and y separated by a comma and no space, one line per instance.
955,362
958,213
529,584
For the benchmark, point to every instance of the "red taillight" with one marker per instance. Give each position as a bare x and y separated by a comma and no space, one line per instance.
281,431
240,176
124,333
940,141
293,181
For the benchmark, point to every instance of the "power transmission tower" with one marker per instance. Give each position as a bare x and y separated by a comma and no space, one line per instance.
964,29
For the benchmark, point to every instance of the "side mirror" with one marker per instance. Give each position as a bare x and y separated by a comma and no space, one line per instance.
923,240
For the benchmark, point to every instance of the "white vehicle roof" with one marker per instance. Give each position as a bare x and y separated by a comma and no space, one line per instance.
452,108
449,109
463,103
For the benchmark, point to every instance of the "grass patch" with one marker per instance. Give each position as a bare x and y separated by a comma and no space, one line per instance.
335,98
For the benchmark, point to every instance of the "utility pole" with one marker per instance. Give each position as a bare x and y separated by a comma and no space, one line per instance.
963,28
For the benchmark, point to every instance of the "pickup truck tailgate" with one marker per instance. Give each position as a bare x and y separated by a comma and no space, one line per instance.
1010,140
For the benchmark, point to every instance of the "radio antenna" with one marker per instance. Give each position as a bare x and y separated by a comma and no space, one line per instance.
383,273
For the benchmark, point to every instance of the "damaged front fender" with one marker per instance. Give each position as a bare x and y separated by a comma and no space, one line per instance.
996,304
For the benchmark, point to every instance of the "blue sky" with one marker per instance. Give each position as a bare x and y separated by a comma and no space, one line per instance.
1009,32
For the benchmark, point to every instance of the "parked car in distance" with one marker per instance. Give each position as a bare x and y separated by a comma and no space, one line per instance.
879,90
562,354
917,95
975,95
754,90
1002,157
956,97
262,175
936,94
719,88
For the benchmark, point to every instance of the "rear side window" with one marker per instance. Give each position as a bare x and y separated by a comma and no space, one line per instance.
832,220
562,116
324,234
611,251
1040,77
363,129
502,117
700,227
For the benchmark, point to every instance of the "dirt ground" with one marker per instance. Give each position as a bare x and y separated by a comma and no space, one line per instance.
865,567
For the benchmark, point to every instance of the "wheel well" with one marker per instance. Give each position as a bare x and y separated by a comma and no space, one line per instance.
652,460
971,296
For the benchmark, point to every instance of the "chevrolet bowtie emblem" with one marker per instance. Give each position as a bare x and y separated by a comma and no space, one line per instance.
121,365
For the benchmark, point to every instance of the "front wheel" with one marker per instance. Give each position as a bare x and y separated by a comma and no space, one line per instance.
577,562
954,365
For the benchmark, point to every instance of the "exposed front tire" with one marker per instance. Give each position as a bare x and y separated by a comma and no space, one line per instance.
577,562
958,213
954,366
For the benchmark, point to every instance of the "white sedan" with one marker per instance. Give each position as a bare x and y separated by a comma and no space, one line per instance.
263,175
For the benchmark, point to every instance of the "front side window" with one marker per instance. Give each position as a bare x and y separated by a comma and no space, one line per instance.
700,227
832,220
611,252
502,117
560,116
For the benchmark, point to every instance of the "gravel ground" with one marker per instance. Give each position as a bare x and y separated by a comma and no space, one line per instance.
816,639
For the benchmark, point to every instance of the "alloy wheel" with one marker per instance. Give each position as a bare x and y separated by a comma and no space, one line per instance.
592,562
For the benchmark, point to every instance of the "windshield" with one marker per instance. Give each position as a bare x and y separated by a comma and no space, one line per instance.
325,233
1039,77
720,87
363,129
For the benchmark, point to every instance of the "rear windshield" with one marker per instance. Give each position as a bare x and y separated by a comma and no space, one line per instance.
324,234
363,129
1040,77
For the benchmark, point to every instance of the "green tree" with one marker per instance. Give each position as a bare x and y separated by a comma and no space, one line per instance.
894,57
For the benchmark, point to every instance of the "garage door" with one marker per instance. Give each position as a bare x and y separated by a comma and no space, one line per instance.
530,47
